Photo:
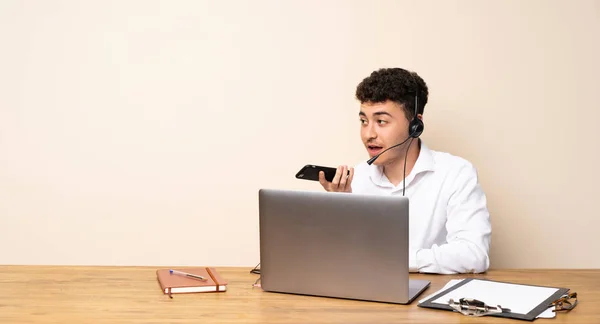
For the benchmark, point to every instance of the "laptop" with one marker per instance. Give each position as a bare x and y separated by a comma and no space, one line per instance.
340,245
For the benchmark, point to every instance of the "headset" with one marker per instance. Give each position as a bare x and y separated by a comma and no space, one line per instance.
416,126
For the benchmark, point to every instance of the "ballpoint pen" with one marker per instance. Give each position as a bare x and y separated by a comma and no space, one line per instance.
185,274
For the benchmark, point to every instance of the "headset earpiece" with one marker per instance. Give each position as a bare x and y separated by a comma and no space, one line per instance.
416,126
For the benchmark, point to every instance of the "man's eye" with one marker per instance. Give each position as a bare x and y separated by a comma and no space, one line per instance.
362,121
381,121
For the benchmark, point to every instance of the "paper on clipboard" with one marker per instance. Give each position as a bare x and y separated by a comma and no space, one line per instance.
520,299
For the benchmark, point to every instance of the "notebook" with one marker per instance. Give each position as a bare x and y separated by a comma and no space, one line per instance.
177,284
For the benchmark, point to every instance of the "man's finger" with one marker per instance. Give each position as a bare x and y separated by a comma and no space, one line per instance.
349,181
322,180
336,179
343,177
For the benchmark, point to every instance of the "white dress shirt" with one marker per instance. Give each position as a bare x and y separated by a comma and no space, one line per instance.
449,223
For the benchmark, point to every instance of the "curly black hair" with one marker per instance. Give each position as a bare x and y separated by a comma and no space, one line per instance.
395,84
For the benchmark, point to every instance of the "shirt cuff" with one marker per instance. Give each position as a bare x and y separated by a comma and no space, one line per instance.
412,261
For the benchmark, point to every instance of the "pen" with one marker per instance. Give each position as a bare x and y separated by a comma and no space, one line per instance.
185,274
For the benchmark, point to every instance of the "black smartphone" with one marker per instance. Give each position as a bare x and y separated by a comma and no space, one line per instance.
311,172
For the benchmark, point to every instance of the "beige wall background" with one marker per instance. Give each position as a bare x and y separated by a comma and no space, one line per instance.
139,132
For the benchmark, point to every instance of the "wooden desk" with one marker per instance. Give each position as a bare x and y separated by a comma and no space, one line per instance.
47,294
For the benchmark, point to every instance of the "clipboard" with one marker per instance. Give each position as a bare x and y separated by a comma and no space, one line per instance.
539,296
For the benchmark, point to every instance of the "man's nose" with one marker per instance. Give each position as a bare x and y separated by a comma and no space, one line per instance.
371,132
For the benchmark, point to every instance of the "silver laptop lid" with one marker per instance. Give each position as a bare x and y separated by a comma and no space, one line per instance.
334,244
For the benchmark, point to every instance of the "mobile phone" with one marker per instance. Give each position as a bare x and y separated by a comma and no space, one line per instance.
311,172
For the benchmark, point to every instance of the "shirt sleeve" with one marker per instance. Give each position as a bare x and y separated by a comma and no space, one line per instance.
468,229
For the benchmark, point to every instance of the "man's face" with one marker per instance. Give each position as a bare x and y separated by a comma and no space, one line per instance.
383,125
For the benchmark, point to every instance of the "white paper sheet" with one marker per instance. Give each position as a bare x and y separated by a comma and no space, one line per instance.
548,313
520,299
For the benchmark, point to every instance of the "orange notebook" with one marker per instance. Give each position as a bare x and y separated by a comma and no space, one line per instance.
178,283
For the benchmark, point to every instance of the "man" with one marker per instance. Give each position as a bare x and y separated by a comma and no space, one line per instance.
450,229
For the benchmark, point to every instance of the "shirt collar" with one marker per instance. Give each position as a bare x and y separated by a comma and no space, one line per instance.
425,162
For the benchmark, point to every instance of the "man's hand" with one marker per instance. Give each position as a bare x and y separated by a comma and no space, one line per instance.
341,181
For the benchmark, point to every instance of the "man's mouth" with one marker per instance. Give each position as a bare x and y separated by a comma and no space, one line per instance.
374,149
